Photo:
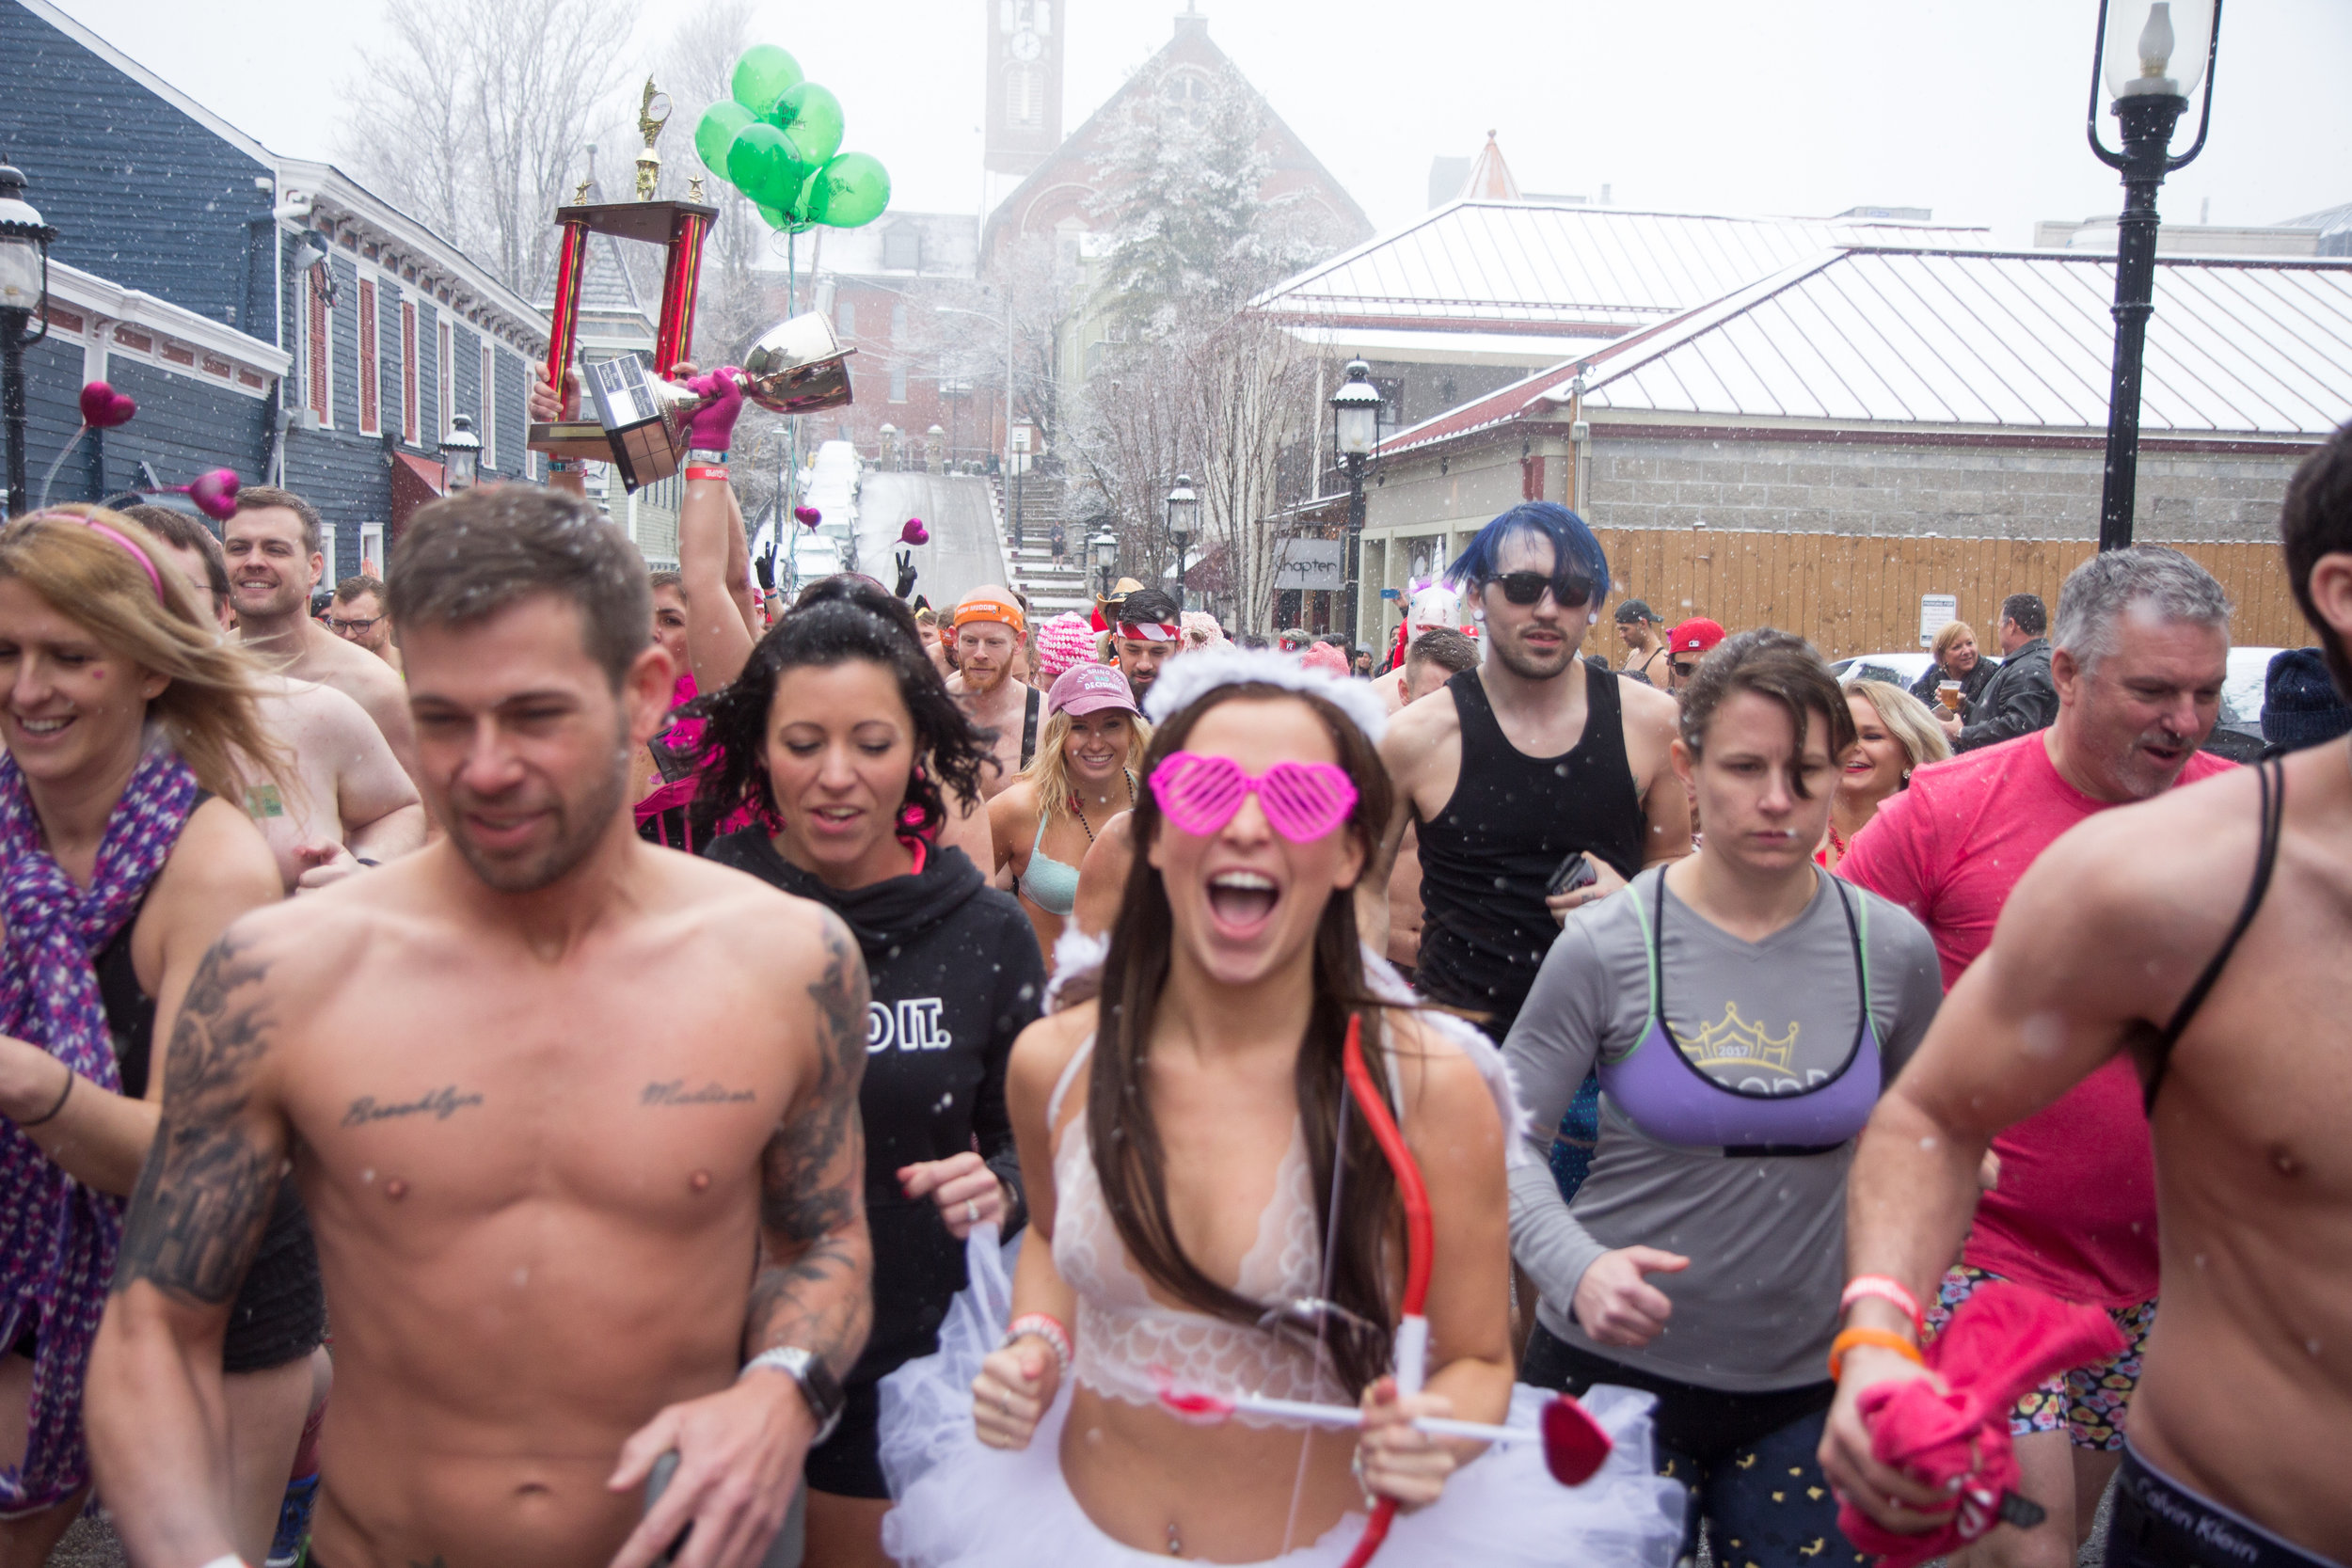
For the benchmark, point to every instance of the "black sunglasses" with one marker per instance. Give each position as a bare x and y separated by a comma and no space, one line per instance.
1568,591
1685,670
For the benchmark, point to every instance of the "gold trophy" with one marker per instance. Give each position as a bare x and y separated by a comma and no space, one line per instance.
796,366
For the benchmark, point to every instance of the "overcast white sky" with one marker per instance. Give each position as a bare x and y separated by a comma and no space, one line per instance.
1972,107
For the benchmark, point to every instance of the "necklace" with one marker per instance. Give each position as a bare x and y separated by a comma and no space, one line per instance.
1079,806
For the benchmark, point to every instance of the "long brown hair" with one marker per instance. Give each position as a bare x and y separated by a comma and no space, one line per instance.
1129,1158
209,710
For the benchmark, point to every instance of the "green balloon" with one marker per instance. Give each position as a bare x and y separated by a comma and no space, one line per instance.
775,218
760,164
849,191
717,132
811,116
762,75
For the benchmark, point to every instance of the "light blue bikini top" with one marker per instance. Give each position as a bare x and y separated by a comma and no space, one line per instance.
1051,885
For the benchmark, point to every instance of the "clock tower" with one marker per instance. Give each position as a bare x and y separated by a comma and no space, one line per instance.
1025,52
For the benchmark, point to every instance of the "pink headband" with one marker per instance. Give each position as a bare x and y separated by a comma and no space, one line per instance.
118,537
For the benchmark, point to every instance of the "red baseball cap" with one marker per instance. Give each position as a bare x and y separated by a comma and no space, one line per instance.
1698,634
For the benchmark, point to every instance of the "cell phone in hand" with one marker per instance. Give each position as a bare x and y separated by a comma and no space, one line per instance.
1575,872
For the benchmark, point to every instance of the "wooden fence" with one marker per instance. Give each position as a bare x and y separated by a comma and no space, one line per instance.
1861,595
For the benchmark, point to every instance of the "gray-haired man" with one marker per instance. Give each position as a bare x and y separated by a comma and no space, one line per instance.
2143,643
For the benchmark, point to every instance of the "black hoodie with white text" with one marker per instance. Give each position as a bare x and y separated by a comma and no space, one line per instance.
956,975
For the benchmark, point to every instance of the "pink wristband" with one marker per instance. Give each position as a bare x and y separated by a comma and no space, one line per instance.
1885,1288
1042,1326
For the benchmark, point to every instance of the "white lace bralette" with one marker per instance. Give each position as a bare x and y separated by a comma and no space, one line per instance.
1127,1341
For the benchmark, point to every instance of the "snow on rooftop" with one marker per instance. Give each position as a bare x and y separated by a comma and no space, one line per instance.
2257,347
1595,272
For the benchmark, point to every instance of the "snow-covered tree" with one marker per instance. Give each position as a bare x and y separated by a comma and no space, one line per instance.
1186,379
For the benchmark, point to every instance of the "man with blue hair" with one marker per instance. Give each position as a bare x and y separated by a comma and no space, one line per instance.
1515,766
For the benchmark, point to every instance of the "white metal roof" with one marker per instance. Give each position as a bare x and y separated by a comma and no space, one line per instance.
2261,347
1598,271
2254,347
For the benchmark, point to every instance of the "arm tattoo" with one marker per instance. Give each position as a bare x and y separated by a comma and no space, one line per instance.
814,1289
206,1189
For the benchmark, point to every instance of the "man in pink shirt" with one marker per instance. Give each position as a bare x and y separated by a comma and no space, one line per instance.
2142,642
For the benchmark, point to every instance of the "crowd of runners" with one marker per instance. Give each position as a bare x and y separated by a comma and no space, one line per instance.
554,1064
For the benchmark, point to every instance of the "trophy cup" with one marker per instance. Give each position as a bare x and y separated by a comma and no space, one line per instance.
797,367
679,226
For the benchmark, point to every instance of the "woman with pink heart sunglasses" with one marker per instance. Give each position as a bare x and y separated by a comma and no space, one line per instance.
1205,1217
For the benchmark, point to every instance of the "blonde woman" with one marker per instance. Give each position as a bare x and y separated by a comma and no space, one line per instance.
131,733
1083,775
1957,659
1894,734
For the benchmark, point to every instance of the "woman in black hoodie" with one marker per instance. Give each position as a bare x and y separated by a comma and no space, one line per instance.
839,733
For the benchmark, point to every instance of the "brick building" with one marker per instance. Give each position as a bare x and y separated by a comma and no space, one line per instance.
179,276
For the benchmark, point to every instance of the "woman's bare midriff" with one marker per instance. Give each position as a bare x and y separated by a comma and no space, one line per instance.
1225,1490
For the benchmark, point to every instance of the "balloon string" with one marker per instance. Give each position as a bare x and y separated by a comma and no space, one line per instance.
58,462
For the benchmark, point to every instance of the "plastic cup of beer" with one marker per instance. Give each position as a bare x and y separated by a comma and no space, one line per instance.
1948,693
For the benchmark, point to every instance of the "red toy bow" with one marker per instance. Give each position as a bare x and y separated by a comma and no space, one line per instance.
1412,1329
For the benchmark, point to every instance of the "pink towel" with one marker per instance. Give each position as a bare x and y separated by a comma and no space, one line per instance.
2003,1340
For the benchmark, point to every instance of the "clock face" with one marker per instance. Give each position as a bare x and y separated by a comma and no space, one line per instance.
1027,45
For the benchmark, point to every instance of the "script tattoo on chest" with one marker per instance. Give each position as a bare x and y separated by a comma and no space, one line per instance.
440,1104
674,1092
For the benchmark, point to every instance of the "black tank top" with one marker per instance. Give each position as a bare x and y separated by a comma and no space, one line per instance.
1513,819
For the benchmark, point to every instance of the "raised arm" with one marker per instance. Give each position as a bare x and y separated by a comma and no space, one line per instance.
740,1450
157,1420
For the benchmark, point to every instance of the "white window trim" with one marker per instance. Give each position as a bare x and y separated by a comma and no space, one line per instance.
487,420
446,371
372,549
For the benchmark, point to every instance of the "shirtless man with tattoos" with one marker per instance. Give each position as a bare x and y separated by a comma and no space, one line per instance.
587,1191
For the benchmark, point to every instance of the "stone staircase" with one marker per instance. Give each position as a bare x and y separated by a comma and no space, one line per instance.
1050,589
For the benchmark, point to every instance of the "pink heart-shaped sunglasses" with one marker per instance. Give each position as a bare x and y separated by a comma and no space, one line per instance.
1302,800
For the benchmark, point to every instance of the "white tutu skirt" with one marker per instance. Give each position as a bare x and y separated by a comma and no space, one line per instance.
962,1503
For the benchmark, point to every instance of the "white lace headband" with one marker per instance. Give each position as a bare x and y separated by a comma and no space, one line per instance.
1185,680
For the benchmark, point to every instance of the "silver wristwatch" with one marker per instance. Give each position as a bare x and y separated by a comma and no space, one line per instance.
818,1386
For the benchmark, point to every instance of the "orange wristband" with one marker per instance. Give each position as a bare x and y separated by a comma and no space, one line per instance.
1880,1339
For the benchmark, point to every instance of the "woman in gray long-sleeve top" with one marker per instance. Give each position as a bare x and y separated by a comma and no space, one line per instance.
1745,1010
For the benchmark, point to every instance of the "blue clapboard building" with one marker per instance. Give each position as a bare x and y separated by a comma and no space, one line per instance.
270,315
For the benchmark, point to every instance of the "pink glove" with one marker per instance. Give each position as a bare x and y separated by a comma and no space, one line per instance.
712,428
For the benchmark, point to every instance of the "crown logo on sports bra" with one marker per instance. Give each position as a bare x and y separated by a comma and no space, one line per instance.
1736,1043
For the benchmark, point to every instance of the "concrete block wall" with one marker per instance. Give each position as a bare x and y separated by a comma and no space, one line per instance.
1948,492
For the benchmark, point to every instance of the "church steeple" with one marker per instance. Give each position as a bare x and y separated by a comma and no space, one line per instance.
1024,58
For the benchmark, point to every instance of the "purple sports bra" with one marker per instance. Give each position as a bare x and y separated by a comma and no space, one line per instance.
1667,1098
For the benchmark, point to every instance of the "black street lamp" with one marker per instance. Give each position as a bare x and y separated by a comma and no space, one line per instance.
1183,509
2136,65
23,293
1106,558
1355,434
461,456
